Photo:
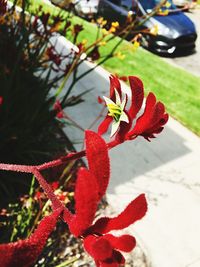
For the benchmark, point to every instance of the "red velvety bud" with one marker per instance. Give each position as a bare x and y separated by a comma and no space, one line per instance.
24,253
98,247
94,54
77,28
55,185
86,199
99,165
100,100
133,212
102,249
124,243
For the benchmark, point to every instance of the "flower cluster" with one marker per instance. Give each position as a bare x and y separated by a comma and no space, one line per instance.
91,184
98,242
125,123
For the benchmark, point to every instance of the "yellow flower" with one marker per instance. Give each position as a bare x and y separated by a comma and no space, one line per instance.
119,55
112,29
84,41
56,27
136,44
115,24
167,4
163,12
105,32
154,30
101,21
102,43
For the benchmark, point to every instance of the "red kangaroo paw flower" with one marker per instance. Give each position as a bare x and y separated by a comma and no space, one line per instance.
91,186
86,199
132,213
104,247
99,165
150,123
24,253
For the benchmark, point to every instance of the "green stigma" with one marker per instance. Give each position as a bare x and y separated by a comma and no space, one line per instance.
115,111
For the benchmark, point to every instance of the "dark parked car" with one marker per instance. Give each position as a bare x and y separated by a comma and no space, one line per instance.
176,32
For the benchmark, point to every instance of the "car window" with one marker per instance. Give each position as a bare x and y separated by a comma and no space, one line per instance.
127,4
116,2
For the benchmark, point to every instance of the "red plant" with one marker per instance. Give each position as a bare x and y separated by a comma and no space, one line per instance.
23,253
91,185
3,7
53,56
103,247
58,108
151,122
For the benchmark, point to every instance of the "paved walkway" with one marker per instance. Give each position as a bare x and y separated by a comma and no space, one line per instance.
190,62
167,170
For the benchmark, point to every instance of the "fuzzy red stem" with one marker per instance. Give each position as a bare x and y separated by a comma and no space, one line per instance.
62,160
56,203
50,164
16,168
48,190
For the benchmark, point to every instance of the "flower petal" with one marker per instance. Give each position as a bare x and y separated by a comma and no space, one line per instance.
115,84
24,253
86,199
133,212
98,247
115,127
116,260
103,127
118,98
124,243
98,166
109,101
124,117
137,90
151,121
118,257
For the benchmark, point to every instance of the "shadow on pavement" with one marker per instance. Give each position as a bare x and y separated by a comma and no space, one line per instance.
138,157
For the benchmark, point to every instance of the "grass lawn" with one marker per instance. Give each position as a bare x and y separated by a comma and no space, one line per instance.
178,89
